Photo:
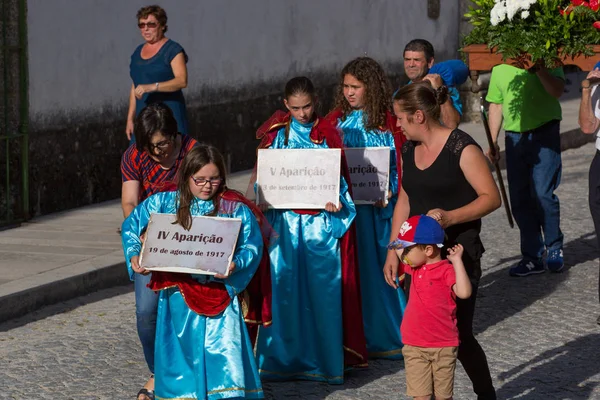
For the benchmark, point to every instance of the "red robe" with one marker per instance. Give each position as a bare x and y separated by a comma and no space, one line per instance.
355,347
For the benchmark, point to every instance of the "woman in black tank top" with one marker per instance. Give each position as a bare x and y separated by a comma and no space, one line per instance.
445,175
444,186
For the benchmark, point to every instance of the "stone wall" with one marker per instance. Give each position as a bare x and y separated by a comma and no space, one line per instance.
471,101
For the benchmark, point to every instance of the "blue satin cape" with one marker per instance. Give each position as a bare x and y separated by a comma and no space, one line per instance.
306,338
199,357
383,306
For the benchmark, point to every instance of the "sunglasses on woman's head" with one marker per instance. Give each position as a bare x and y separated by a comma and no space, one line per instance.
150,25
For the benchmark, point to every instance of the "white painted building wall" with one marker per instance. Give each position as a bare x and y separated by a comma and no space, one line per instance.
79,50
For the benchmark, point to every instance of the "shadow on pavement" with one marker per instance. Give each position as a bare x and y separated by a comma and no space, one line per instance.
565,367
354,379
65,306
501,296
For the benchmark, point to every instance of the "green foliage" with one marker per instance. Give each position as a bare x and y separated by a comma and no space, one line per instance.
540,35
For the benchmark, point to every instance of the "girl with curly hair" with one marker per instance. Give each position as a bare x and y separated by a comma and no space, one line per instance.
363,116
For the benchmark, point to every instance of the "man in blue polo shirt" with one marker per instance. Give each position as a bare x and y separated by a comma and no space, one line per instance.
419,65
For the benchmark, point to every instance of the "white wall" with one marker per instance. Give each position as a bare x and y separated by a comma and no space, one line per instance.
79,50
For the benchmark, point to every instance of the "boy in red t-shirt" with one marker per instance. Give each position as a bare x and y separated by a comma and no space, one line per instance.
428,328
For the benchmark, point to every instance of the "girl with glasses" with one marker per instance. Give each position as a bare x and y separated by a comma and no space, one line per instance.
203,349
158,70
316,308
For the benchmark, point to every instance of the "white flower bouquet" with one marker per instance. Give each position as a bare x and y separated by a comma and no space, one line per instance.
530,31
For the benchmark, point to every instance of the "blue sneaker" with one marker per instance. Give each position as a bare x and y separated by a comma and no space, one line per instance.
527,267
554,260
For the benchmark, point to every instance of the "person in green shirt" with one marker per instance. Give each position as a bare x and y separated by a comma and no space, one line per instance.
527,101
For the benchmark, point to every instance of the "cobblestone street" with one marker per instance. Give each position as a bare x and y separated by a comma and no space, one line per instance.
539,332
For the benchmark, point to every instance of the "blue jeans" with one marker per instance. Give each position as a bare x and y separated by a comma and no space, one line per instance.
146,307
533,168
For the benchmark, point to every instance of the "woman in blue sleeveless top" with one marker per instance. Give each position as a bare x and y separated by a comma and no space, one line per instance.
158,70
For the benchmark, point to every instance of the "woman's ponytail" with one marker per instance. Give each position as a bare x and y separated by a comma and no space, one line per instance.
441,94
422,96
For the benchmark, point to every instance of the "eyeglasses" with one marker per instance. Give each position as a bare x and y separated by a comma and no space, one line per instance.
160,146
150,25
202,182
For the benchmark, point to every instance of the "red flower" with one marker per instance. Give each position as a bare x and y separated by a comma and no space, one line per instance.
595,5
596,25
580,3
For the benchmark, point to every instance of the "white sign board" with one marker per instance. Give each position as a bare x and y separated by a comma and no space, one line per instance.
298,178
207,248
369,172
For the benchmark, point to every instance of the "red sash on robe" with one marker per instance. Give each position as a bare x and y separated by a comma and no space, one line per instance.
212,298
207,299
355,346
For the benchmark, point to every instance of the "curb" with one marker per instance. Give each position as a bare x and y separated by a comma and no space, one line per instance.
28,295
574,138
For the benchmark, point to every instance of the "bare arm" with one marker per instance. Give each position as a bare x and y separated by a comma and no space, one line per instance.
450,116
588,122
130,113
180,72
173,85
476,171
401,211
131,110
495,120
130,191
553,85
462,288
495,123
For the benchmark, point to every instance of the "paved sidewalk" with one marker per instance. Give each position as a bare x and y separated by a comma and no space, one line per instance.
65,255
69,254
539,333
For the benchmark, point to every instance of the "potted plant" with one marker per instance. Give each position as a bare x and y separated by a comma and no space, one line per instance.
523,32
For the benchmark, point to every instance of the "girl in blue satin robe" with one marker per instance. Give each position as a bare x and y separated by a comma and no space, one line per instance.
199,356
363,119
305,340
